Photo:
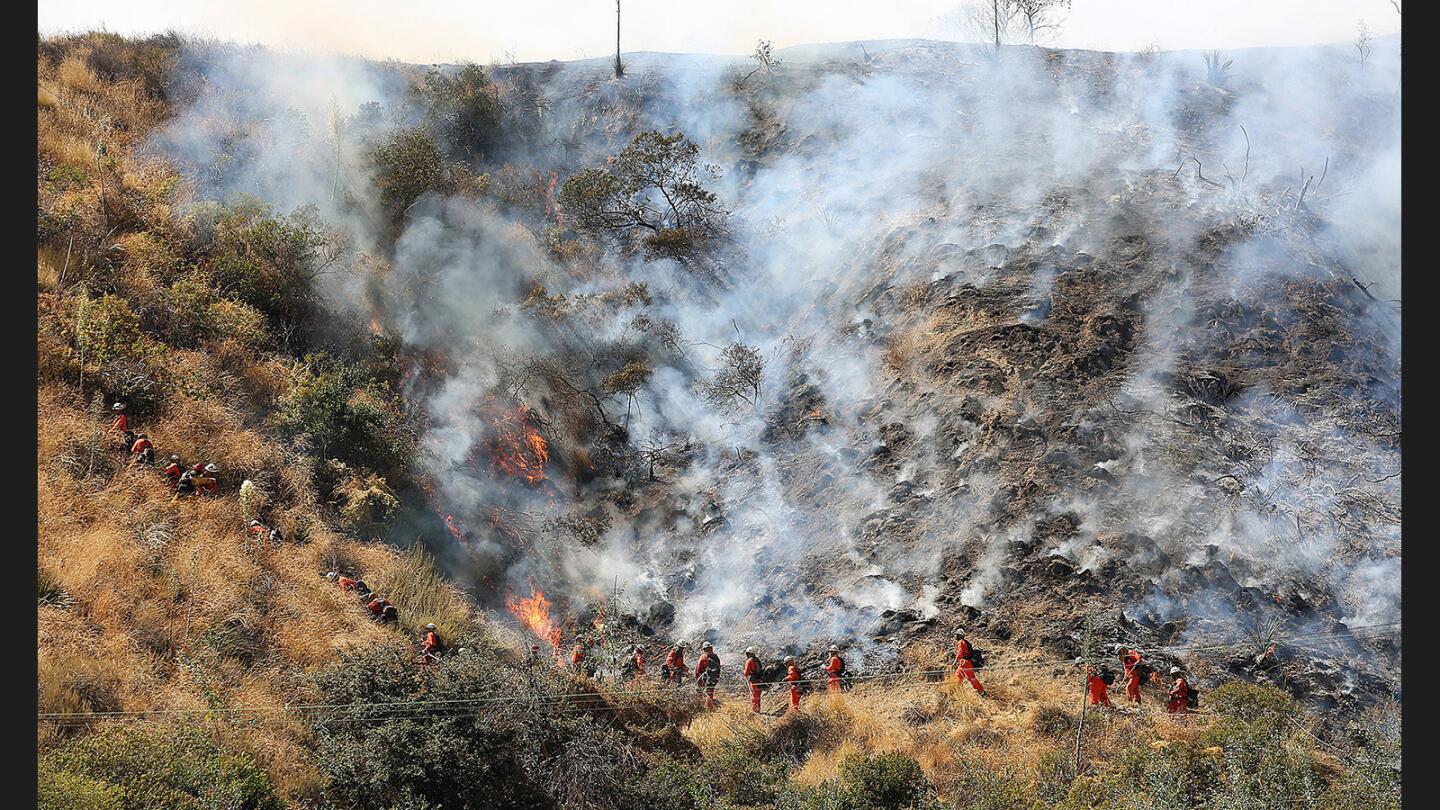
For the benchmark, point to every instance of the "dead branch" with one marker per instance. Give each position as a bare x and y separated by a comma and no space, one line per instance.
1199,174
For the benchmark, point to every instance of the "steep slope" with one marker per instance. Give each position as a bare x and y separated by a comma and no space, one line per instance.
932,338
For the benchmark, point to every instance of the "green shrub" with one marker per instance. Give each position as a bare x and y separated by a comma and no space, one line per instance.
530,750
345,415
133,770
232,320
885,782
406,166
653,187
463,109
107,329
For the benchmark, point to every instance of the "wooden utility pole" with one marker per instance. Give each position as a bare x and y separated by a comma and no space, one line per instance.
619,68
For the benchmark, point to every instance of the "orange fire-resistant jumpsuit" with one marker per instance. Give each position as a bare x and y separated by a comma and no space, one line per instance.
964,668
707,672
1179,694
675,663
1099,692
833,670
792,676
639,664
752,674
1130,660
577,657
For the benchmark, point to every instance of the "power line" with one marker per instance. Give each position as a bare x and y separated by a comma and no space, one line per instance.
579,700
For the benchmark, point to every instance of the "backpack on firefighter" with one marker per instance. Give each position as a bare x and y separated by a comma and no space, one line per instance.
1107,675
712,668
977,657
1192,697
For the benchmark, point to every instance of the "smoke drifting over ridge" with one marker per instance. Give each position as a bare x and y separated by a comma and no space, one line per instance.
1045,310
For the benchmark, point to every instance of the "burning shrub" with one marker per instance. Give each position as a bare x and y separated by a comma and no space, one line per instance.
514,443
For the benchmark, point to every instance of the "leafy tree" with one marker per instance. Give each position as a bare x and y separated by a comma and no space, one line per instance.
463,109
407,165
653,186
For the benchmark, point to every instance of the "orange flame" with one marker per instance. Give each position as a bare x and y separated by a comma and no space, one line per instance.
516,447
450,522
534,613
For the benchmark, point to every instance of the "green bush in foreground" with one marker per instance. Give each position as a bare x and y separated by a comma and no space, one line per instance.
126,769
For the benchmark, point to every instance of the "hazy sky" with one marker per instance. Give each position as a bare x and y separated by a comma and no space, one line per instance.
532,30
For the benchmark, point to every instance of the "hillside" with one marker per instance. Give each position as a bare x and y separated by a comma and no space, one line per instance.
852,347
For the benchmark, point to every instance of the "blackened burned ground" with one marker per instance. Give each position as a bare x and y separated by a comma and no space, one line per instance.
1003,412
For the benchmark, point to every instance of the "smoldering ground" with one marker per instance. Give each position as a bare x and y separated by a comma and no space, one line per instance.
1110,309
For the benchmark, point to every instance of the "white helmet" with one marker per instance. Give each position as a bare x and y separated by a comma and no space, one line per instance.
834,648
429,627
255,522
210,468
332,576
959,633
749,650
707,646
789,659
1174,670
119,406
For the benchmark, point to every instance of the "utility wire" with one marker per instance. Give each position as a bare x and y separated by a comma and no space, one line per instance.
579,700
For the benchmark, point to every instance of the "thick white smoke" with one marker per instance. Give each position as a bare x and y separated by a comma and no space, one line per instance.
924,167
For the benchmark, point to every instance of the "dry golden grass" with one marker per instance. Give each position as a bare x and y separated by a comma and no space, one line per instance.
169,601
947,728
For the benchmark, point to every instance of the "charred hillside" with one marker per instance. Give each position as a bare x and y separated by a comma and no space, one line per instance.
1087,355
844,345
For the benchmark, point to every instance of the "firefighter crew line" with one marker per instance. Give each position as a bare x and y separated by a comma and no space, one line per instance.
1182,697
202,478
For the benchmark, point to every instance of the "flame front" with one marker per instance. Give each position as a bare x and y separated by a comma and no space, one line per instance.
451,523
534,613
516,447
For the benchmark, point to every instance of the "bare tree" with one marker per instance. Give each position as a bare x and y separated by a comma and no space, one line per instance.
994,20
619,68
1040,17
1362,42
742,369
